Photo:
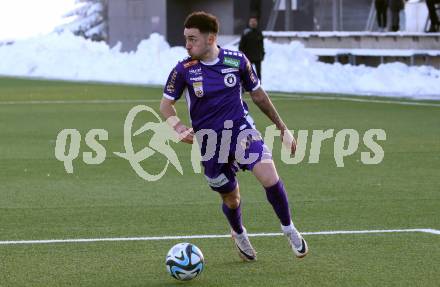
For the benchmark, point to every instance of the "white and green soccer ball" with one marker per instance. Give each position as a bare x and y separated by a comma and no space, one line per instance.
184,261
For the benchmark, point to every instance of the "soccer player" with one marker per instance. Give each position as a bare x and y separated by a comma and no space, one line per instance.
211,78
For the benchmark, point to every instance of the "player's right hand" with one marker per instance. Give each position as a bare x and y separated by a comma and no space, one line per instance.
185,134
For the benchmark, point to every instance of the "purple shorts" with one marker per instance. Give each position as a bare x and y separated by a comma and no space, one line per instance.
243,151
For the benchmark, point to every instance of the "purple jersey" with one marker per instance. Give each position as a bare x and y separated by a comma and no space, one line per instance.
213,90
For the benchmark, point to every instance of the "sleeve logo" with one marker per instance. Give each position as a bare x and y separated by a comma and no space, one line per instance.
251,72
172,82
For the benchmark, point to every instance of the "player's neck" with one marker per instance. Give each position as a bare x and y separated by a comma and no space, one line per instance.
212,54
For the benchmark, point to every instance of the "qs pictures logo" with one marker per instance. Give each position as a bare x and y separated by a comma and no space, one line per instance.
346,143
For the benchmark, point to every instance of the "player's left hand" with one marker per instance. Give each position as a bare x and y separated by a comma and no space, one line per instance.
288,140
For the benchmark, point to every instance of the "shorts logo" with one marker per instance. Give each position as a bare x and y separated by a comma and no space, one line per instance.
230,80
191,63
231,62
198,89
218,181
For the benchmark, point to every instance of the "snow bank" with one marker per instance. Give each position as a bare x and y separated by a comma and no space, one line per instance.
287,67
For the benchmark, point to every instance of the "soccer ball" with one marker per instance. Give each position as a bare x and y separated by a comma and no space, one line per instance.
184,261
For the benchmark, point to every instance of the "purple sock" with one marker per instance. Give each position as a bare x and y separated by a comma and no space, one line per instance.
277,196
234,217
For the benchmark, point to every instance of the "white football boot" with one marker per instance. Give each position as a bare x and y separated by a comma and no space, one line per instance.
244,246
296,241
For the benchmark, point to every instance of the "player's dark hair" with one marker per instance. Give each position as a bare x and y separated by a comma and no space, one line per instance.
205,22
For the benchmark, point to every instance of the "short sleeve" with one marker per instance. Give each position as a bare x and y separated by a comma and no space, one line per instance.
175,85
248,76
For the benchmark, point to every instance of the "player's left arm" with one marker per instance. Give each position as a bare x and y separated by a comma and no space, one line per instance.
262,100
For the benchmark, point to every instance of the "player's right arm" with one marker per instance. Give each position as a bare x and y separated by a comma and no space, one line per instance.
169,112
172,92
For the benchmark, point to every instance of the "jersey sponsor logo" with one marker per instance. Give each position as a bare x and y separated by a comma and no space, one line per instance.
231,62
172,82
229,70
190,63
230,80
198,89
197,79
196,72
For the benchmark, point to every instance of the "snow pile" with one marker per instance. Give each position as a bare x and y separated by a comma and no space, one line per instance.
68,57
287,67
291,68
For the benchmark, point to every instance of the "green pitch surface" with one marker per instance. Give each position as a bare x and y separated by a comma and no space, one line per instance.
40,201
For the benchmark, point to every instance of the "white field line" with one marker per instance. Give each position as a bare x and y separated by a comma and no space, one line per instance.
62,102
397,102
88,240
273,98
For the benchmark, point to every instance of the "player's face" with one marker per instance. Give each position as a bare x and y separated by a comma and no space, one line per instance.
197,44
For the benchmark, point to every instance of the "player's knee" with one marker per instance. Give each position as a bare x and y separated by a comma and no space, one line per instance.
269,181
266,174
231,195
232,200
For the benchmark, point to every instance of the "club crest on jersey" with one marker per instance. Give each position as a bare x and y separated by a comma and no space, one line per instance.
198,89
230,80
231,62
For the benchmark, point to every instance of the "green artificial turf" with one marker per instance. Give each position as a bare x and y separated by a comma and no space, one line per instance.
39,200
